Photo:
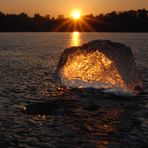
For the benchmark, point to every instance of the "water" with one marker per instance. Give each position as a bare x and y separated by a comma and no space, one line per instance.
56,117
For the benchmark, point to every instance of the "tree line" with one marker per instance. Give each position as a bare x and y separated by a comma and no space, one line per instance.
126,21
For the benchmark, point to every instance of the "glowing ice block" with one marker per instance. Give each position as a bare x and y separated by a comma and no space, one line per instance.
100,64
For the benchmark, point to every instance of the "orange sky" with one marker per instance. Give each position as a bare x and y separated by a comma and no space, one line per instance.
65,7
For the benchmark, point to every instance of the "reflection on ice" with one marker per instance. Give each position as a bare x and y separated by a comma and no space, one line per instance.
75,39
100,65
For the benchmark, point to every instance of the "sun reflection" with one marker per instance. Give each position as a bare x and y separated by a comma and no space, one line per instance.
75,39
76,33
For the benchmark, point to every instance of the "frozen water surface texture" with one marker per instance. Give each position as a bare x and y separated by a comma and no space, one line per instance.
35,112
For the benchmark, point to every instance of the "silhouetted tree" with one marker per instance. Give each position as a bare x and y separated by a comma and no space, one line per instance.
127,21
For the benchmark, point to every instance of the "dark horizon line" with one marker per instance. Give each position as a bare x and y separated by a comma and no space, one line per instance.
66,17
126,21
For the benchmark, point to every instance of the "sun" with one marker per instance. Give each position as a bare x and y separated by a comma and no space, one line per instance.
76,15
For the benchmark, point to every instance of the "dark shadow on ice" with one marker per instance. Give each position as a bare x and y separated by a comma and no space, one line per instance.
86,117
65,104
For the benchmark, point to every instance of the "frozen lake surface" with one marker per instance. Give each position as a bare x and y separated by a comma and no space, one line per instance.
61,118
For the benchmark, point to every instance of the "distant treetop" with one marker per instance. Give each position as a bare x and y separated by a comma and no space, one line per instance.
126,21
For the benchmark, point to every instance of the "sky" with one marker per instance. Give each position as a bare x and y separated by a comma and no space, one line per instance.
65,7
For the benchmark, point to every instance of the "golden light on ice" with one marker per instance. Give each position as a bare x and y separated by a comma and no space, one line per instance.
75,39
91,67
76,15
75,33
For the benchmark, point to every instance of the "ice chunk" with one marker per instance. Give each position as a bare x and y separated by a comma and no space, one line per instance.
100,64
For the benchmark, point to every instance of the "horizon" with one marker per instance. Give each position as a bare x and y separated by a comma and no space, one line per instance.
65,7
126,21
70,16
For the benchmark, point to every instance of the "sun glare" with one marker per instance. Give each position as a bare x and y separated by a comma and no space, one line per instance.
76,15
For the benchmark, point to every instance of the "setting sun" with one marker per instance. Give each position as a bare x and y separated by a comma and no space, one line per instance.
76,15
